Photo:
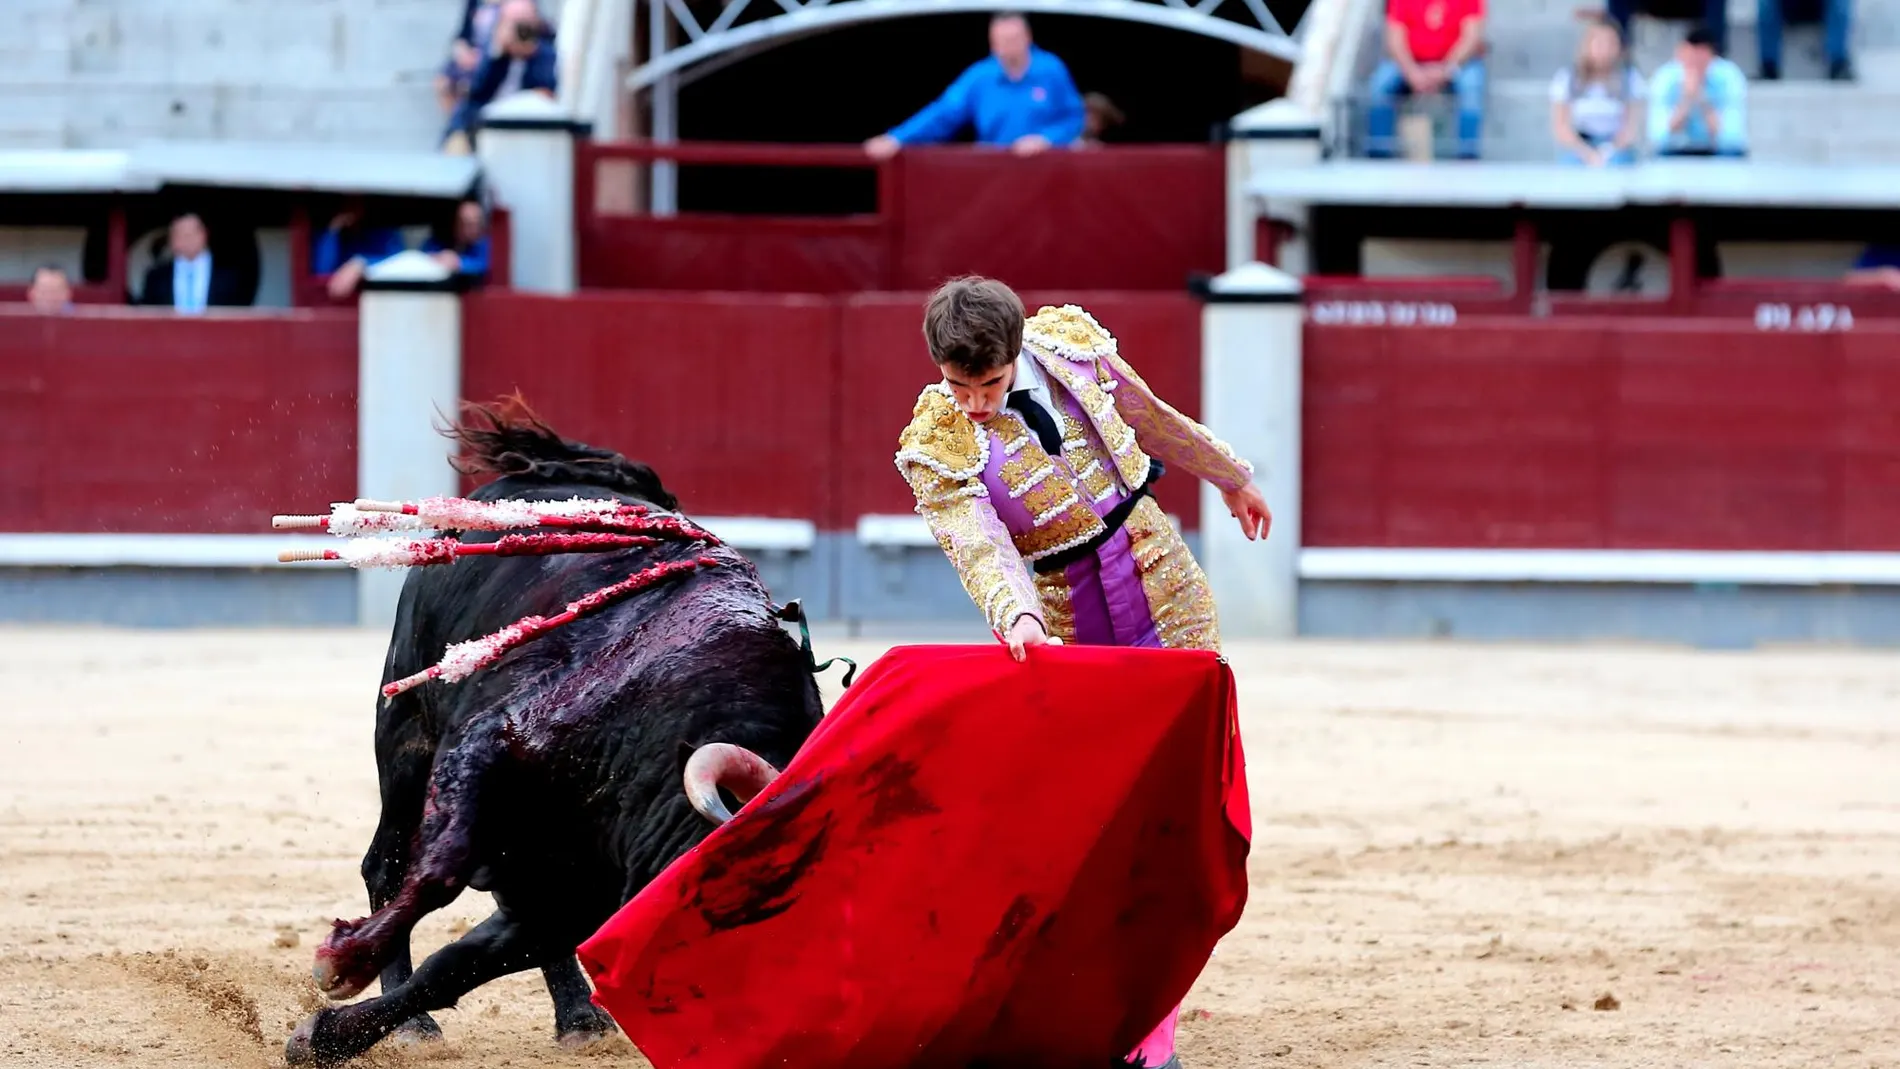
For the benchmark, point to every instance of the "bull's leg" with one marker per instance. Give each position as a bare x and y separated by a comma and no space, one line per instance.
357,950
403,756
578,1023
494,948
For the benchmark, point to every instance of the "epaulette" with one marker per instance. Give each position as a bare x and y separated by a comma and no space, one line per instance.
1068,332
942,438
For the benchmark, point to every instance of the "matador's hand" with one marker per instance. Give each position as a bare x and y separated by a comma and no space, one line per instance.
1249,506
1026,632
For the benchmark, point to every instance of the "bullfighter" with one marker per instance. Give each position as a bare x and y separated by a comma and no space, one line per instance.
1033,462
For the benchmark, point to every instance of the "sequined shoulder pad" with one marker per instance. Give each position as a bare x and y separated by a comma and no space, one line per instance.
1068,332
941,438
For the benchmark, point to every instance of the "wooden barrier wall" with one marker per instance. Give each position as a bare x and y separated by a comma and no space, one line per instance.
1139,217
1615,434
1504,432
129,421
770,405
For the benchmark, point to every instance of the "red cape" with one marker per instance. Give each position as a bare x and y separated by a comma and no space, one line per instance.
972,861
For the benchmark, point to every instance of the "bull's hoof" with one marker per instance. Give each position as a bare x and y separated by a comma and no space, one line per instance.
416,1031
587,1031
301,1047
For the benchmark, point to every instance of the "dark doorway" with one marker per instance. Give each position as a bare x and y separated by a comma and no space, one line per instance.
848,84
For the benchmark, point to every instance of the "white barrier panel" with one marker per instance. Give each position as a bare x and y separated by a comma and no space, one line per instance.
1600,566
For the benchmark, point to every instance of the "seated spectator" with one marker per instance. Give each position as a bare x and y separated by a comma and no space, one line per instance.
1596,104
1714,18
1432,46
472,41
1099,116
51,292
347,246
1836,15
188,279
1020,96
466,251
1698,102
1879,265
522,60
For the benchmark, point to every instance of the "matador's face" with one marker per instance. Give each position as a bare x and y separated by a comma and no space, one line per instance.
980,397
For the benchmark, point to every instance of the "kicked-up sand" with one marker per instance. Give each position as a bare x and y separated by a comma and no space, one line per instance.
1463,856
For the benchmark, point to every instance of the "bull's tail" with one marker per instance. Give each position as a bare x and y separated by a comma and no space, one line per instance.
507,438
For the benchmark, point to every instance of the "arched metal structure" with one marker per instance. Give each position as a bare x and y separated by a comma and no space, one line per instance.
680,47
671,20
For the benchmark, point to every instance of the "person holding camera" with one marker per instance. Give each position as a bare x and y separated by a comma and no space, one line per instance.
521,60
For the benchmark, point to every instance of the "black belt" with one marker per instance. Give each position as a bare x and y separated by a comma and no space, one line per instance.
1111,523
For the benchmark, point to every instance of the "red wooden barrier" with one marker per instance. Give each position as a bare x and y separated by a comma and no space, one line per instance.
778,406
731,398
1620,434
128,421
1126,218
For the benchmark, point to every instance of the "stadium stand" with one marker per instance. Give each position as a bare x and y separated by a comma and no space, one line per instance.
115,73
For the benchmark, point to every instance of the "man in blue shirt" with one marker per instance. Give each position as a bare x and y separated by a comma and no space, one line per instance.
1020,96
1698,102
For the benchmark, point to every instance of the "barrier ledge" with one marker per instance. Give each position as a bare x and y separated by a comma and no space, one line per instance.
1780,568
260,550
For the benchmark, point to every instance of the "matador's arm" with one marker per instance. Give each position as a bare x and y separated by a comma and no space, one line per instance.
1164,432
979,547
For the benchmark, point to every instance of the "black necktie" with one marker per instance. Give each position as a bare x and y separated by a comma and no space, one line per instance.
1039,421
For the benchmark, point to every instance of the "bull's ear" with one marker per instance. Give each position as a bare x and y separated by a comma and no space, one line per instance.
685,754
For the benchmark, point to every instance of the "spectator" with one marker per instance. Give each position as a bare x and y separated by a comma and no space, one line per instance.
1431,46
521,60
1714,17
1836,15
346,247
188,280
1698,102
51,292
1879,265
1596,105
466,252
472,41
1020,96
1099,116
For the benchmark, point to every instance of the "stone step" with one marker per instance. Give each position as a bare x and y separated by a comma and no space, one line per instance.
110,73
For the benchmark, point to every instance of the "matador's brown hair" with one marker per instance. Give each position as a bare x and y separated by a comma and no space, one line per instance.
974,324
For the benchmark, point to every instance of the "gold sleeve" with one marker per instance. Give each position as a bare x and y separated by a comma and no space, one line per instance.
978,545
1164,432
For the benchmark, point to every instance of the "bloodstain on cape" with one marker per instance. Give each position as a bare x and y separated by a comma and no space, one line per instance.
971,862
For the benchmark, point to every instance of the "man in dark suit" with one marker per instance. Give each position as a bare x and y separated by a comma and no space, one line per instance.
189,281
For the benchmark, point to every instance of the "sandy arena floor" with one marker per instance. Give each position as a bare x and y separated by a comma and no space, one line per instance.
1463,856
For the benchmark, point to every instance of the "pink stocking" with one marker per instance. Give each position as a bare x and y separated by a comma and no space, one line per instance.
1159,1046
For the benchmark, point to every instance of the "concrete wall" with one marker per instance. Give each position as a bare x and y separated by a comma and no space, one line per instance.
111,73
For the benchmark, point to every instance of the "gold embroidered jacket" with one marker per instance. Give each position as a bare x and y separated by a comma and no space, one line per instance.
954,466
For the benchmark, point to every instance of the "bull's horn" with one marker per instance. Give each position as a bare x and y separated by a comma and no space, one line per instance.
721,764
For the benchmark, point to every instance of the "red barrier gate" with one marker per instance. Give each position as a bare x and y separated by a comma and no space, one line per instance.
1631,434
126,421
1125,218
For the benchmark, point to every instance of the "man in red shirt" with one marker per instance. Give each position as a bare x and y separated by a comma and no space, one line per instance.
1432,46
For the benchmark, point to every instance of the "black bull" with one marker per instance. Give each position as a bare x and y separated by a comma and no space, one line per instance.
558,779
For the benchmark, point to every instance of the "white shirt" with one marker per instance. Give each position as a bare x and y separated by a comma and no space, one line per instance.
191,283
1596,111
1030,377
